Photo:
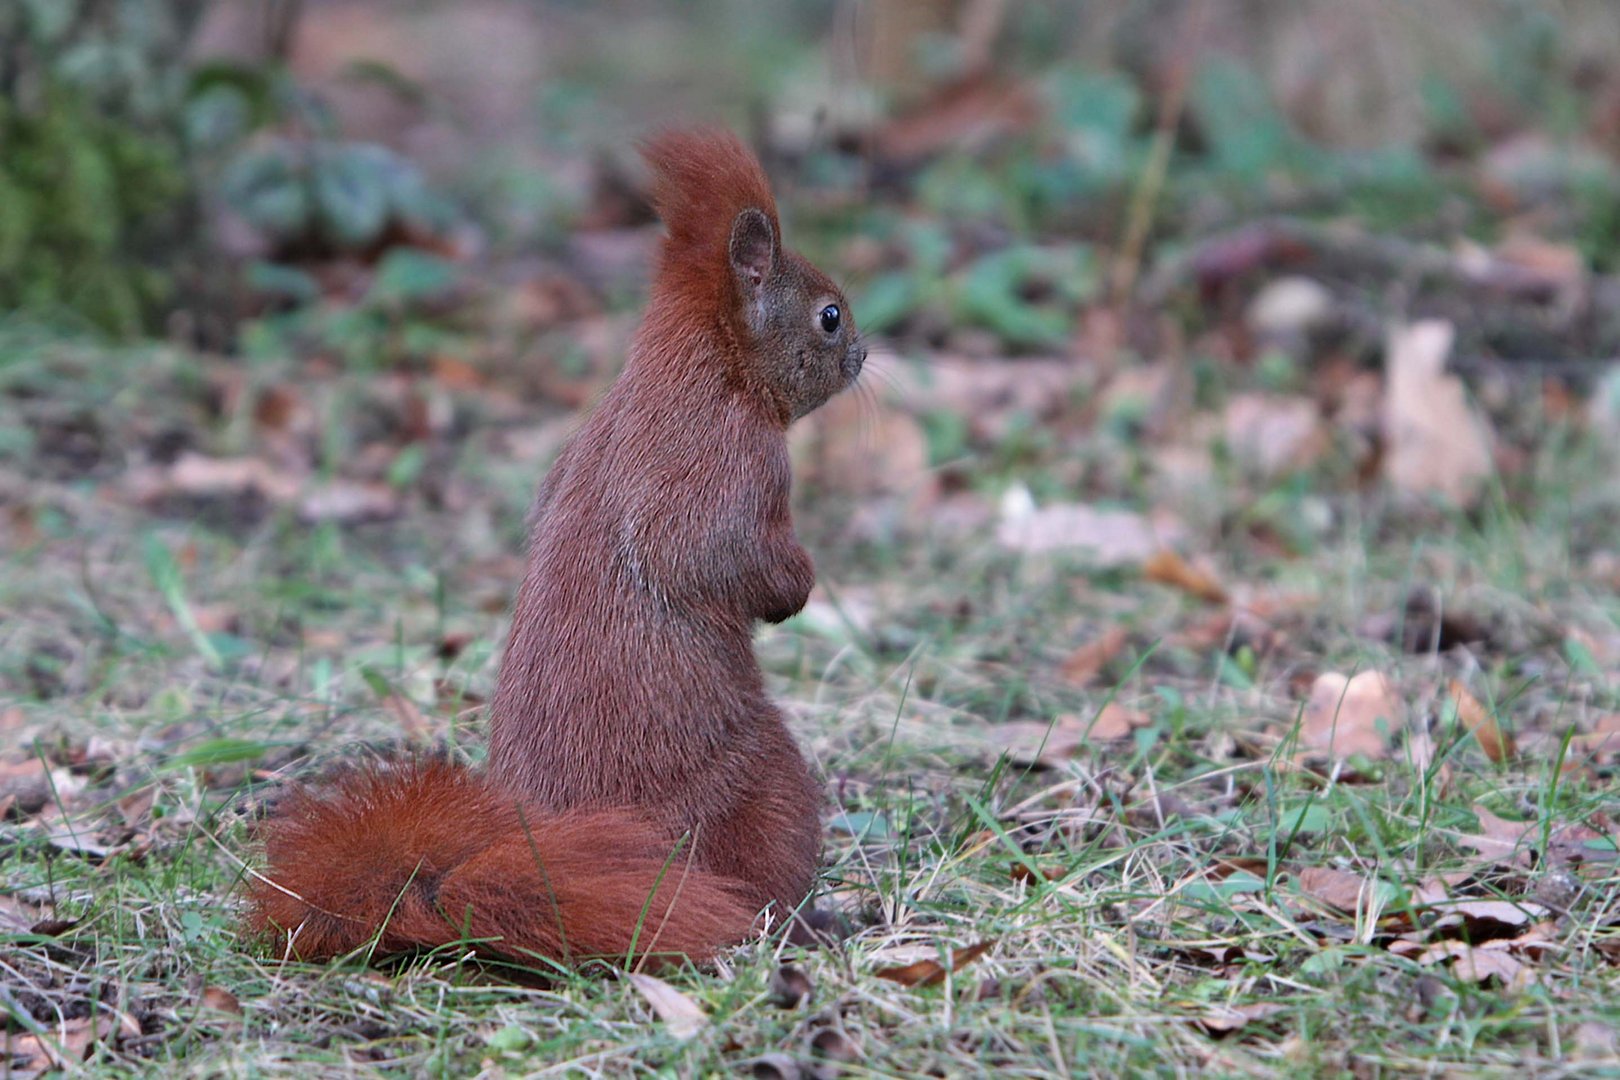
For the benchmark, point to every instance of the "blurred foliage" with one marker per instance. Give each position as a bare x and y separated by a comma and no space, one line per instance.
92,181
329,196
121,157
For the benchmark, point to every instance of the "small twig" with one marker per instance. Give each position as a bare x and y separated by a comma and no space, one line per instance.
1128,264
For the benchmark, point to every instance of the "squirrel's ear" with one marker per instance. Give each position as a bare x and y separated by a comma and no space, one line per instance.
752,250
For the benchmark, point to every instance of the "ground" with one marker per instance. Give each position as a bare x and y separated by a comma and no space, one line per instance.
1205,879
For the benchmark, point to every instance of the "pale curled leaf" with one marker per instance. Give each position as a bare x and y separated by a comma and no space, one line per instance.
1435,443
1272,435
1099,536
1345,716
1227,1018
1481,963
1481,723
682,1016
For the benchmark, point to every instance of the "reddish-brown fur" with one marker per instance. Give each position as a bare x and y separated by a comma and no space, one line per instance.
631,715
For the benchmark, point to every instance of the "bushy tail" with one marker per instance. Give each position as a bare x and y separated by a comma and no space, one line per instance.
419,854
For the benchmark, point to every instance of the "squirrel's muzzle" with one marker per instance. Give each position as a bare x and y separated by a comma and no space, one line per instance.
854,359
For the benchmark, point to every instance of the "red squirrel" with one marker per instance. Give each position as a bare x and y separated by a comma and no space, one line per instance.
642,793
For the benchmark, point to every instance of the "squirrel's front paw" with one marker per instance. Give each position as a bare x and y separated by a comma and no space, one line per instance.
790,589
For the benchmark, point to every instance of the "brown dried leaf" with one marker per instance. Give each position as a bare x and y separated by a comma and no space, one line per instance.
455,373
682,1016
219,999
1221,869
64,1045
1335,888
1168,568
1596,1041
790,987
1225,1019
1086,662
1500,838
1602,743
1345,716
1497,744
1478,964
1435,442
26,780
1050,745
1115,721
836,448
1023,875
931,972
17,916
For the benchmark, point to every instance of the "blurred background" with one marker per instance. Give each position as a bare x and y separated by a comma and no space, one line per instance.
1213,275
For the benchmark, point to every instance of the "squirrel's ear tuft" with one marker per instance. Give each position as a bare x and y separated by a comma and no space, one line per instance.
752,249
723,238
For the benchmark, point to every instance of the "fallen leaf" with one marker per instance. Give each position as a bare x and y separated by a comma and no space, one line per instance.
963,116
1025,876
1224,1019
1271,435
194,474
27,780
1346,716
1497,744
1106,538
1256,865
1477,964
455,373
1115,721
17,916
411,722
1488,916
1086,662
682,1016
1435,443
219,999
1596,1041
1602,743
1336,888
65,1044
1499,838
790,987
1050,745
345,502
931,972
1168,568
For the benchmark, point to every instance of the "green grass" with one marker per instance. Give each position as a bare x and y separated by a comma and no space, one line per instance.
168,658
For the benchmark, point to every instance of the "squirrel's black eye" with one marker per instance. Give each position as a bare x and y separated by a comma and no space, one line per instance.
830,317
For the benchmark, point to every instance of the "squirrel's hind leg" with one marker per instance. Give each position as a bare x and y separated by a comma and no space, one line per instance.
770,837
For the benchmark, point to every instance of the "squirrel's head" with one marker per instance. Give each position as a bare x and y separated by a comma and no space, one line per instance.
723,262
